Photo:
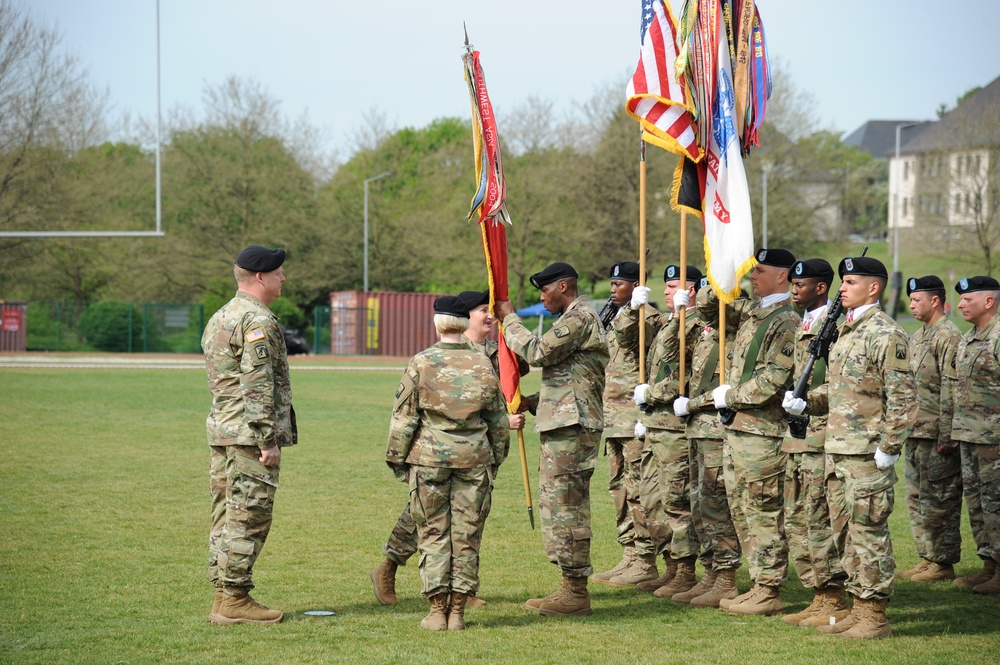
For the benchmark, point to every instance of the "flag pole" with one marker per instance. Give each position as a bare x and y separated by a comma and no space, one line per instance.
524,477
722,341
642,257
683,311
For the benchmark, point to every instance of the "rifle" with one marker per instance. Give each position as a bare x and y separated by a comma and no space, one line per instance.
819,348
607,314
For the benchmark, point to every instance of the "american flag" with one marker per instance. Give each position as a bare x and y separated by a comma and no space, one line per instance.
655,97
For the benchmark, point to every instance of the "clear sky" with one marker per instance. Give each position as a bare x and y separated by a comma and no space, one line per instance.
338,59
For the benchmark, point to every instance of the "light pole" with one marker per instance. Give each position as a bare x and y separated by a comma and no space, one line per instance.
896,281
766,169
385,174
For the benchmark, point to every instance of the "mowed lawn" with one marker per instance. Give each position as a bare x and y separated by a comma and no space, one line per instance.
104,517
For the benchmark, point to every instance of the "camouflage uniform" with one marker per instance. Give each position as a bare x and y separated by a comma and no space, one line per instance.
569,418
753,461
934,481
448,435
247,366
872,404
975,427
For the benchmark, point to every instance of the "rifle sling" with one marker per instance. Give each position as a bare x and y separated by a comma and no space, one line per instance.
758,338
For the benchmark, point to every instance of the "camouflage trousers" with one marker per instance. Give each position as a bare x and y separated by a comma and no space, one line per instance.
710,508
812,543
242,492
868,558
449,507
623,485
754,471
934,500
402,542
665,493
981,480
565,466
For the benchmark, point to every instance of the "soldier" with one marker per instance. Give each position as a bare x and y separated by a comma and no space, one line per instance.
447,438
815,512
933,469
758,371
402,542
573,355
250,422
638,563
872,407
976,378
665,490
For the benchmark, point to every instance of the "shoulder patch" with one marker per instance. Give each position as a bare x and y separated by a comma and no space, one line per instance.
261,350
901,352
788,349
406,386
255,335
561,331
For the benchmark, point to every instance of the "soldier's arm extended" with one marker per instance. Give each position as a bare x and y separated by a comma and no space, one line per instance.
667,388
498,431
899,390
404,423
625,327
262,344
773,377
818,401
554,346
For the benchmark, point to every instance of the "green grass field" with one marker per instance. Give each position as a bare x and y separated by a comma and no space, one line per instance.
104,512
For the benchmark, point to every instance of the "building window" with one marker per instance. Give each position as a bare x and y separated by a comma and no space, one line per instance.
977,165
905,211
906,170
958,164
958,203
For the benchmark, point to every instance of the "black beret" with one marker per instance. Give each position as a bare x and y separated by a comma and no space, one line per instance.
862,265
817,268
451,305
980,283
702,283
626,270
473,299
778,258
555,271
673,272
260,259
928,283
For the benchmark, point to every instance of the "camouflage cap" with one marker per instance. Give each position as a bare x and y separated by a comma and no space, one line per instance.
552,273
626,270
452,306
256,258
927,283
673,272
979,283
862,265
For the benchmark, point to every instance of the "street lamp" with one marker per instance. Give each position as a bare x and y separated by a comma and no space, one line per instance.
896,280
385,174
766,169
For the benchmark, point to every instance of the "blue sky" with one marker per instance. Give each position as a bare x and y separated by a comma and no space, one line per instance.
339,59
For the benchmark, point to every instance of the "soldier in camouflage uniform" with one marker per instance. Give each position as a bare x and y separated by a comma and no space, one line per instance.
447,438
573,355
872,408
665,490
402,542
758,371
976,423
638,563
815,512
250,422
933,469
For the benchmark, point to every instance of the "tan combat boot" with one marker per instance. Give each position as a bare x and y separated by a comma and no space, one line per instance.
985,575
384,581
536,603
219,595
990,586
628,556
935,572
702,587
724,589
919,568
814,608
649,586
643,569
475,601
766,601
683,580
573,602
456,613
238,607
872,624
835,605
845,624
437,618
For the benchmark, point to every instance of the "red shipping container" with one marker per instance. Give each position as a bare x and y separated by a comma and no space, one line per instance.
13,325
383,323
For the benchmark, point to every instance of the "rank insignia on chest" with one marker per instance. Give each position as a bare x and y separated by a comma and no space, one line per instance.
255,335
900,352
261,351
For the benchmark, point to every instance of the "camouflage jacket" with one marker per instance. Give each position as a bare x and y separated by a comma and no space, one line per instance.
573,355
873,398
932,353
622,375
757,402
817,407
704,421
247,367
490,349
448,411
976,387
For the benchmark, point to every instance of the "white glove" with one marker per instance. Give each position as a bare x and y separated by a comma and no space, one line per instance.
792,404
719,395
640,297
640,394
640,431
681,406
681,298
883,461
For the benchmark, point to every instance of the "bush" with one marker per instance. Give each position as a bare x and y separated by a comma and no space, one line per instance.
109,325
289,314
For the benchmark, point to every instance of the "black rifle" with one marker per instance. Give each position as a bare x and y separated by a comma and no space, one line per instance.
607,314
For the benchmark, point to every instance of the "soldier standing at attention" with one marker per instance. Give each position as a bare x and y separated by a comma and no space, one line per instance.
638,563
933,468
976,423
573,355
250,422
758,371
872,408
815,512
447,438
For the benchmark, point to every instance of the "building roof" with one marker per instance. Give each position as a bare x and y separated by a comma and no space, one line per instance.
878,137
975,123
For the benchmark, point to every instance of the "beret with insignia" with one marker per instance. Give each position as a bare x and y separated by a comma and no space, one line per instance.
816,268
256,258
473,299
980,283
627,271
927,283
673,272
552,273
452,306
778,258
862,265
